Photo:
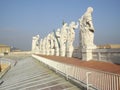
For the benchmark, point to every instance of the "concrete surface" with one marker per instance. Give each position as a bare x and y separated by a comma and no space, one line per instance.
29,74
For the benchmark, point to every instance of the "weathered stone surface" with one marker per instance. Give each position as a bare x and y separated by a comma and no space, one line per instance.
63,39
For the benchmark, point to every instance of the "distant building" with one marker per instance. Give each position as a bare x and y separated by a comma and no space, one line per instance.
4,49
14,49
109,46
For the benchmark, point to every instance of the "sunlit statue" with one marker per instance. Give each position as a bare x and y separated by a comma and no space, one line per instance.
52,43
71,37
41,41
57,42
63,39
87,30
35,44
47,45
43,46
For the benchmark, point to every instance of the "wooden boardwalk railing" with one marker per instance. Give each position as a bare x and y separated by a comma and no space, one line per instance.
96,79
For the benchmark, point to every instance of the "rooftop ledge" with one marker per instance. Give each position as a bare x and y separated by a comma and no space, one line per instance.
92,64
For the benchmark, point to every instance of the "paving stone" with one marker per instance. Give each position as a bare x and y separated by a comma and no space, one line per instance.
29,74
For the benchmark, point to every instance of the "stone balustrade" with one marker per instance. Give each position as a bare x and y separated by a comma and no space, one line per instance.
86,77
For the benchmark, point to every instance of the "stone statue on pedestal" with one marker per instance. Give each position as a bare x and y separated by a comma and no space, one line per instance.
87,30
57,42
52,44
71,37
41,46
47,44
87,35
35,44
63,39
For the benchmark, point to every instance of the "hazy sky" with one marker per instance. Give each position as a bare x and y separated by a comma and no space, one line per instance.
22,19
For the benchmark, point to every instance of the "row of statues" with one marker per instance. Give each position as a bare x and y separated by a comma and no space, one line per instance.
56,43
60,42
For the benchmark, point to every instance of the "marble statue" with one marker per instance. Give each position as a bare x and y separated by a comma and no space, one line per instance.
35,44
63,39
41,40
47,44
52,43
87,30
43,46
71,37
57,42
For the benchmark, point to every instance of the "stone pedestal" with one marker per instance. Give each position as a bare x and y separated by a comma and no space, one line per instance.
52,52
37,52
86,54
62,53
43,52
69,53
57,52
47,52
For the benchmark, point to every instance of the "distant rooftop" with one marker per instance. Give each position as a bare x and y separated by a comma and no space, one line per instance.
110,46
3,45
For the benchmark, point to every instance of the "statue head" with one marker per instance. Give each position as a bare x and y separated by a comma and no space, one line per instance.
37,36
90,9
58,32
73,25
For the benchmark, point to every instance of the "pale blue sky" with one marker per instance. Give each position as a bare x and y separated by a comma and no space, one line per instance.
22,19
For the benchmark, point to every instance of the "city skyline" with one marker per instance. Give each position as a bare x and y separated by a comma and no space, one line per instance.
20,20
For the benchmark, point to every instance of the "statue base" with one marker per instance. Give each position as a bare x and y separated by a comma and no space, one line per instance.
69,53
57,53
52,52
47,52
87,54
62,53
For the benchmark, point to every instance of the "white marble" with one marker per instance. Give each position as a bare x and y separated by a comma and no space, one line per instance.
41,46
57,42
63,39
47,45
52,44
87,34
35,44
70,38
87,30
87,54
